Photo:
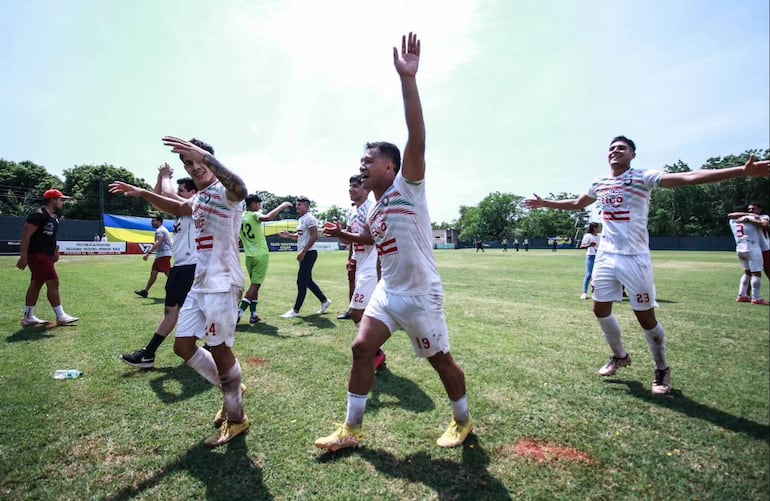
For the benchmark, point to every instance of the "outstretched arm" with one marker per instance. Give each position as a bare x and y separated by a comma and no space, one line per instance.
572,204
164,204
236,188
413,163
274,213
752,168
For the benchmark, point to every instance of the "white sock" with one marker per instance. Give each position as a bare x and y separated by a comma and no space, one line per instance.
356,408
611,329
744,285
756,283
656,339
231,389
59,310
29,311
203,363
460,409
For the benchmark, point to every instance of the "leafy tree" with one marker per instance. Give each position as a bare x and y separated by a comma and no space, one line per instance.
22,186
85,184
470,222
700,210
496,216
551,222
334,213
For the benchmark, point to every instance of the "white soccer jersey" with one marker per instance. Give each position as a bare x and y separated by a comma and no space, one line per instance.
184,235
589,238
400,225
625,202
217,223
365,255
746,236
304,224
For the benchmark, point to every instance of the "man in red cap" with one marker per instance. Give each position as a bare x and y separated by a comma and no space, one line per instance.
39,251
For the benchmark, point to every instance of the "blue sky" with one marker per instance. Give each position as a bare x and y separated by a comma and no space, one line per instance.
518,97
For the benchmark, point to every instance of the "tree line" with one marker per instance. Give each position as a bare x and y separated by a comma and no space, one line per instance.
687,211
22,186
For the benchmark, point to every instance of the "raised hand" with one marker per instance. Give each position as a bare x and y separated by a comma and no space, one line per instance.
165,170
119,187
179,145
406,64
533,203
754,168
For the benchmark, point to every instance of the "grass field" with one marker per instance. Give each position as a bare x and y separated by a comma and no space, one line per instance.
547,426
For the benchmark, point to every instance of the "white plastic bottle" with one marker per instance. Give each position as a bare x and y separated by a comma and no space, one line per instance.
67,374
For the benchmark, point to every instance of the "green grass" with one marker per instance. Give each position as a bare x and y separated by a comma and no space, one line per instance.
529,347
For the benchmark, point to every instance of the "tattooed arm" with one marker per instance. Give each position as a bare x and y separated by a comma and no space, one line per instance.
236,188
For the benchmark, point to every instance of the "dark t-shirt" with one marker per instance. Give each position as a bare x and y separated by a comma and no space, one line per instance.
43,241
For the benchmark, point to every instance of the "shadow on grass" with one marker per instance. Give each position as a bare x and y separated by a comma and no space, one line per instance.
29,334
228,476
319,321
259,328
192,383
468,479
409,395
677,401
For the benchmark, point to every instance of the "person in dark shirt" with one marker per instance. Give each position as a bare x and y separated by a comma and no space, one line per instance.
40,252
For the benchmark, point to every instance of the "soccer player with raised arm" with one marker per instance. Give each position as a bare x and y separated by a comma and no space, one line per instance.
210,309
409,296
623,256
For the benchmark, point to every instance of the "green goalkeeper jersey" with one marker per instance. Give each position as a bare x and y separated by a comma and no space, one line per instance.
253,235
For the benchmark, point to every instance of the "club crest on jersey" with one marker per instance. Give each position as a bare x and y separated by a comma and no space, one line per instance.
377,225
613,197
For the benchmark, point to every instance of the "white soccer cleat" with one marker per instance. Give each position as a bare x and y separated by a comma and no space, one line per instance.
31,321
290,314
324,307
66,320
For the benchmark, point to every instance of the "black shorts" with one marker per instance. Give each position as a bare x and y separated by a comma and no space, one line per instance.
178,284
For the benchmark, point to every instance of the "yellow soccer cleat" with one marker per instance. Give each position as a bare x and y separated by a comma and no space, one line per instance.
456,433
346,435
228,432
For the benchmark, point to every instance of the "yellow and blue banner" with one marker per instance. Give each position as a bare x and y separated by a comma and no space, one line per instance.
132,229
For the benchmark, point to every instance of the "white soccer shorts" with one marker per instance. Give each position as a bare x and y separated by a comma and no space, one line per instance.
422,317
210,315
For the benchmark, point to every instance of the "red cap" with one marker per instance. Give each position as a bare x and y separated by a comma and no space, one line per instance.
48,195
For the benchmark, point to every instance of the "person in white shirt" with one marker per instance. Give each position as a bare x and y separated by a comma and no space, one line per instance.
590,242
162,250
210,309
748,232
306,237
181,276
409,296
623,258
364,256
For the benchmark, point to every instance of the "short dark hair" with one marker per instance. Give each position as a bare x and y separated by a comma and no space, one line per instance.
253,199
188,183
592,227
303,199
390,150
199,144
356,179
158,218
757,205
624,139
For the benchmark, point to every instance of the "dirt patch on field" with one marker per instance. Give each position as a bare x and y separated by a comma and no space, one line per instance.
544,453
256,361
